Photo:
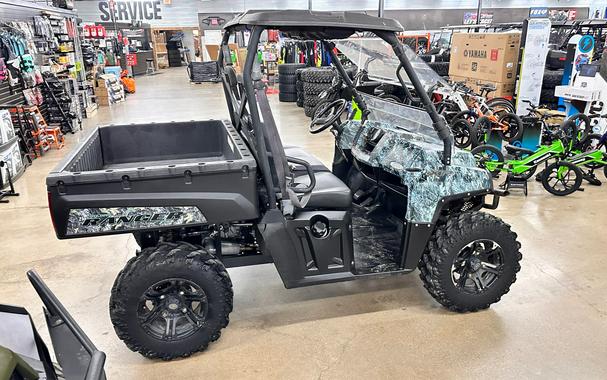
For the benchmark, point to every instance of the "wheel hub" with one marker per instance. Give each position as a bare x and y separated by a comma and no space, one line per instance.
173,309
474,264
477,266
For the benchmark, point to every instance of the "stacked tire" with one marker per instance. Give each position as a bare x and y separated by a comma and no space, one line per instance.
299,87
441,68
315,80
552,78
287,79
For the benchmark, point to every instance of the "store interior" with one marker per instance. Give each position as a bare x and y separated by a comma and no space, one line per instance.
189,189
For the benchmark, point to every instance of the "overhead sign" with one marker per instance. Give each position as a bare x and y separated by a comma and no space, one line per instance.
538,12
471,17
131,10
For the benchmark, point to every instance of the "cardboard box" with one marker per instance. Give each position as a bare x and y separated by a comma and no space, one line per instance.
502,89
160,47
485,56
213,50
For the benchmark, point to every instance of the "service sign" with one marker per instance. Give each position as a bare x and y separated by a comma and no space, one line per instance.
156,13
131,10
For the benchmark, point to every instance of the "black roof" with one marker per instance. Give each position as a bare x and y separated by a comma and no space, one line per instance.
307,24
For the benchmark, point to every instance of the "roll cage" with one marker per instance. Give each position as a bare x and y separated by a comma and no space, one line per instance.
247,101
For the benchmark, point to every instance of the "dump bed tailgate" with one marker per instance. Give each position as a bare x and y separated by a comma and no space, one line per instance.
136,177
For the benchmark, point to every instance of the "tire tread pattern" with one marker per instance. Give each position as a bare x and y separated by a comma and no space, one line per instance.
433,260
156,257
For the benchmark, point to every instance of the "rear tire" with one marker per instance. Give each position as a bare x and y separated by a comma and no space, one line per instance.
177,285
470,262
515,127
488,153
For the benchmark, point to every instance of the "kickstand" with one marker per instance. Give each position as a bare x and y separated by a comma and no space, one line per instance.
513,181
7,193
590,177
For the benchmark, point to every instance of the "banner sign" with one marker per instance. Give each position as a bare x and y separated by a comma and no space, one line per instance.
532,63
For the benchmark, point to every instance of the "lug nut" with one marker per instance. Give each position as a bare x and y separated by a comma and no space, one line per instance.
184,310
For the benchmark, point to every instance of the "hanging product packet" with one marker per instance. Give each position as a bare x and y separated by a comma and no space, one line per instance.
3,70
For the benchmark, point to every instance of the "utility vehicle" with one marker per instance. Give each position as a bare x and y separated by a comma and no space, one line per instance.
200,197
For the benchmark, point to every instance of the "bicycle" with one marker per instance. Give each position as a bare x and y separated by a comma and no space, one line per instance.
562,177
471,126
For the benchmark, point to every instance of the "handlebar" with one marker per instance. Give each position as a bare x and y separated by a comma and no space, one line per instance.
310,172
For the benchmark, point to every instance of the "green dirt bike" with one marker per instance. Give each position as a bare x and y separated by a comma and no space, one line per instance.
562,177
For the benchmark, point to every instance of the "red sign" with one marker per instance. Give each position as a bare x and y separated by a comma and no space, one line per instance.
131,59
94,31
100,31
494,54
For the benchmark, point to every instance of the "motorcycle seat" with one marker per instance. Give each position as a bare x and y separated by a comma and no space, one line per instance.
517,150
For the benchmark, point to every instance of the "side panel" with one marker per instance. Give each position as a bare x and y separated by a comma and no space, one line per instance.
302,256
113,207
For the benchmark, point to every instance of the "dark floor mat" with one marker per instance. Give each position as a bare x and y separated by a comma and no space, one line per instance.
376,241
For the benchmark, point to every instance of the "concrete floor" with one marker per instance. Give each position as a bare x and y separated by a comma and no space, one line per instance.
552,324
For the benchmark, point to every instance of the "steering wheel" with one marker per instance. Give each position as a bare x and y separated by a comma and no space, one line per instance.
327,115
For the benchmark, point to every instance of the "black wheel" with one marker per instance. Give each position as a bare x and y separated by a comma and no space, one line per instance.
288,97
479,132
499,104
289,68
562,178
317,75
441,68
582,123
515,127
605,171
315,88
469,116
287,79
171,301
309,110
461,133
311,101
290,88
488,157
390,98
591,179
552,78
470,262
593,142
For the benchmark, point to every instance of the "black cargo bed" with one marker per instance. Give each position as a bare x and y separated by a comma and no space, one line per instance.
121,169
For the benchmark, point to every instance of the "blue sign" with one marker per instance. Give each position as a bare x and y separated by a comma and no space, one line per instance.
538,12
586,44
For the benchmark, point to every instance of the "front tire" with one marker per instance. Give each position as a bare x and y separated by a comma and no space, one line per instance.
461,133
470,262
562,178
171,301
